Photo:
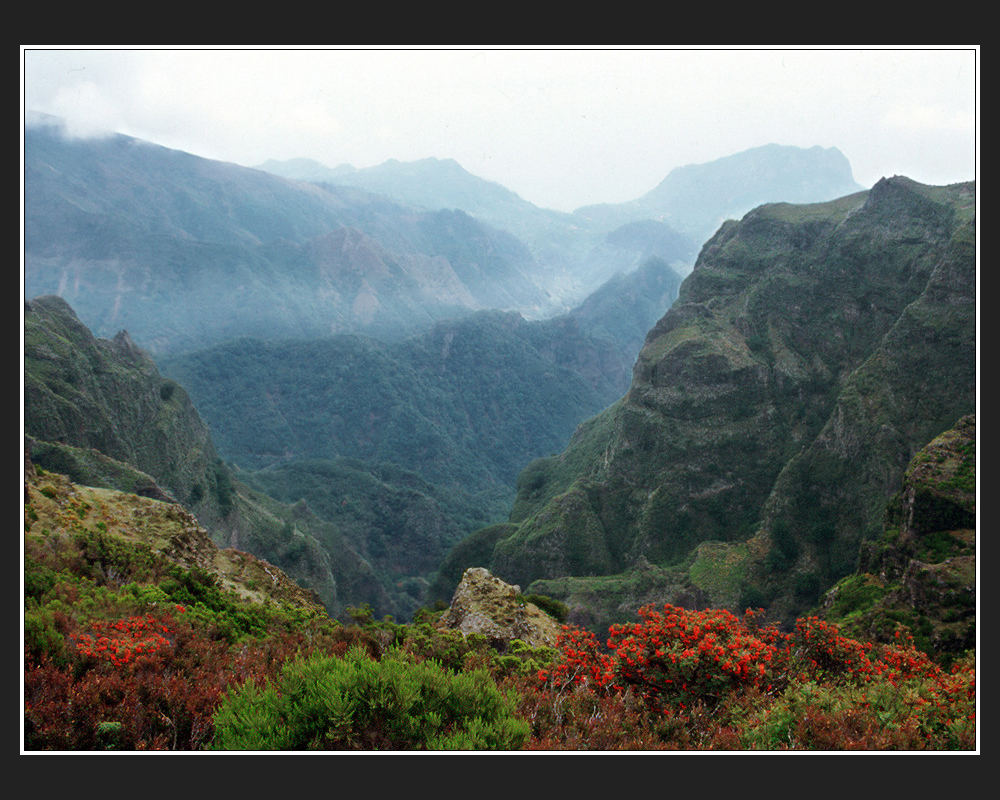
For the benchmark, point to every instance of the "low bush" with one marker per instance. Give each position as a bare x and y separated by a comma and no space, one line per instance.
359,703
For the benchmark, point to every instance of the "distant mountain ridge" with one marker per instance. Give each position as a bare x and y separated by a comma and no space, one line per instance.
183,251
696,199
429,183
693,200
585,248
573,256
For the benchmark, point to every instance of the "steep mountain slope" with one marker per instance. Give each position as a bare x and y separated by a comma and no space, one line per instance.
773,409
99,412
184,251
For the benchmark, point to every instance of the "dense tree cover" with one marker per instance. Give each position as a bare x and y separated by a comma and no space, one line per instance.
466,404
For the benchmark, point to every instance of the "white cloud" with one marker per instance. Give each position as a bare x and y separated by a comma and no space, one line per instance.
561,127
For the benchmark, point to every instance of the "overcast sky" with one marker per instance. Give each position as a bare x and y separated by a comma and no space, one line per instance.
561,127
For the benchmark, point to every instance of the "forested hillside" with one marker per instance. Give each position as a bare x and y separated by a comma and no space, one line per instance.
466,404
99,412
772,413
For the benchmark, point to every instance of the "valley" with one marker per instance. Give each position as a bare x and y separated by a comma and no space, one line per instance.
377,380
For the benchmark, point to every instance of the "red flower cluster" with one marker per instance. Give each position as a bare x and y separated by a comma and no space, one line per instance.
581,661
676,658
682,657
120,642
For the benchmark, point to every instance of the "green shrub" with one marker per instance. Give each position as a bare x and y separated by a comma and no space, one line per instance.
557,610
357,703
42,638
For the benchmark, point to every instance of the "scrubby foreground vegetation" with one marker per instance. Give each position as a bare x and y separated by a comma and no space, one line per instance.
128,646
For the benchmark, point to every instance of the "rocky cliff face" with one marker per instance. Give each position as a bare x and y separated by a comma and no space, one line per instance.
920,574
774,408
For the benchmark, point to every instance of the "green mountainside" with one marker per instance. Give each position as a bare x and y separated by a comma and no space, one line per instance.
467,404
99,412
772,413
921,571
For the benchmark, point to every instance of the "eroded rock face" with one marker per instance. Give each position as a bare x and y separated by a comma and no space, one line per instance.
921,573
484,604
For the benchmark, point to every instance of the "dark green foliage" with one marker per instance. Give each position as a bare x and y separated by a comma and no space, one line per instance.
466,405
853,594
355,702
554,608
940,545
38,578
222,487
934,512
784,547
807,588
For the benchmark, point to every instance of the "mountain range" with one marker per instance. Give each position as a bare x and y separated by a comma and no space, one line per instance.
185,252
380,353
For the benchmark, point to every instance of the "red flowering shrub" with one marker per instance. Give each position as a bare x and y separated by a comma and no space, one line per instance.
581,662
679,657
121,641
135,683
710,679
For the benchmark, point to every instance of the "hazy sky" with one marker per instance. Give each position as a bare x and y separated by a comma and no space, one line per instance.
561,127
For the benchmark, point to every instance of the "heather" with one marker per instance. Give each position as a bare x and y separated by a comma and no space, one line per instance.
104,672
141,635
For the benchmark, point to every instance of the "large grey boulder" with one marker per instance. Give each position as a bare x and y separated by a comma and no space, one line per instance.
485,605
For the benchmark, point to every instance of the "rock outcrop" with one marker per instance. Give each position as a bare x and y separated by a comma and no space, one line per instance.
485,605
